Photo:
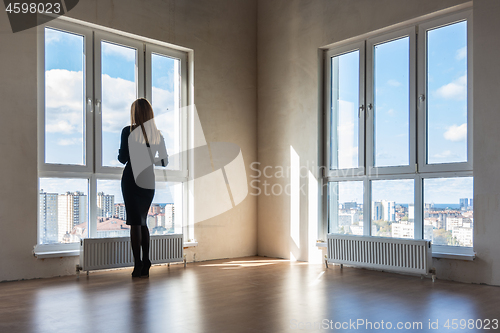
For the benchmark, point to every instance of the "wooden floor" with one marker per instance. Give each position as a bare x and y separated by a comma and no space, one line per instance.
252,294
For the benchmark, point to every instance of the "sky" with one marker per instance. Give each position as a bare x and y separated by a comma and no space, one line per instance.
65,105
436,190
391,97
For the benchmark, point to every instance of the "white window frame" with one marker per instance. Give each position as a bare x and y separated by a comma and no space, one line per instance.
89,97
418,169
370,102
102,36
182,173
344,49
422,91
93,169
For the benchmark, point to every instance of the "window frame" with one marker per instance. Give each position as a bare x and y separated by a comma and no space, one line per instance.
93,169
182,173
370,100
417,169
88,98
423,167
100,36
344,49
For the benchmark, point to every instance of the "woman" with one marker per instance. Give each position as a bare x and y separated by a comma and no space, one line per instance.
138,180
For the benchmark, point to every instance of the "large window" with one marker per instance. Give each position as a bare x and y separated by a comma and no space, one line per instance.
399,134
88,80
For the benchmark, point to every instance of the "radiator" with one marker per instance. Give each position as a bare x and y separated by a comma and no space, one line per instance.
391,254
105,253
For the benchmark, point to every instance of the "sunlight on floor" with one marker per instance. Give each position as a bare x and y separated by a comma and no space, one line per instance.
250,263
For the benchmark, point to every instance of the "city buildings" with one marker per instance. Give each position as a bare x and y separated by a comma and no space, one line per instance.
443,226
105,205
64,217
48,217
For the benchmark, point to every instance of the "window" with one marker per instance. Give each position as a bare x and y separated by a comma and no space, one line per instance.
399,134
346,207
88,79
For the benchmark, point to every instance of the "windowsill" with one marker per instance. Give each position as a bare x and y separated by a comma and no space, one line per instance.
455,256
56,254
50,251
42,251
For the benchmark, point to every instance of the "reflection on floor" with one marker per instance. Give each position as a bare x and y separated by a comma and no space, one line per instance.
252,294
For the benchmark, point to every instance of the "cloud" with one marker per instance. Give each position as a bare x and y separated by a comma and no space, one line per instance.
400,190
52,35
115,163
70,142
394,83
62,185
163,105
64,101
390,112
128,53
456,90
444,155
117,97
461,53
456,133
350,191
448,190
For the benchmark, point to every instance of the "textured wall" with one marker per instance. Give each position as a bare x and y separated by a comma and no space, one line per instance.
222,34
289,82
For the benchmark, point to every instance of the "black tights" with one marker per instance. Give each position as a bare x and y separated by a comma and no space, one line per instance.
139,237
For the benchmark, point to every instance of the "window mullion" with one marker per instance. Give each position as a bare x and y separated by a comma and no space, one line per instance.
367,197
418,222
97,84
370,110
362,108
92,206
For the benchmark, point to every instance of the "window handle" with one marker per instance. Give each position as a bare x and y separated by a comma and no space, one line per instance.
421,98
89,104
98,105
370,107
361,109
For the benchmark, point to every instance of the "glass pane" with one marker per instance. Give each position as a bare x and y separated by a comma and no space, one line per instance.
111,214
64,98
345,207
63,210
448,211
392,103
165,214
166,104
447,94
393,210
119,90
344,139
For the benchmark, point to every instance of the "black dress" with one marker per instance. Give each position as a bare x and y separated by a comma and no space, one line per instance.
137,199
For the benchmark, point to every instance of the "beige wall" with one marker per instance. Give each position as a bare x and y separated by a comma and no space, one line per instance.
222,34
290,33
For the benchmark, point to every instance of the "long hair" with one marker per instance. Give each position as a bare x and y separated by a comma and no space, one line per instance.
141,115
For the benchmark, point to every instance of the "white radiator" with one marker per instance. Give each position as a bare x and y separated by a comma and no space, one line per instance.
391,254
105,253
